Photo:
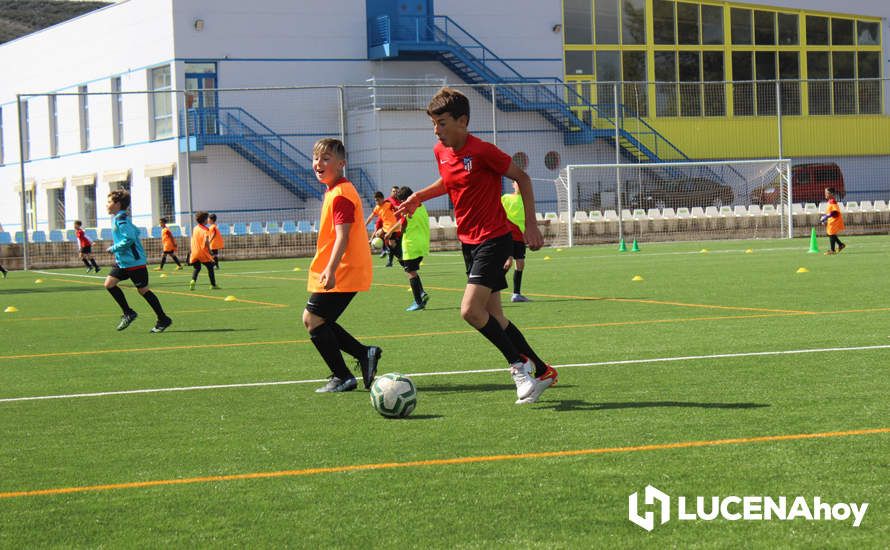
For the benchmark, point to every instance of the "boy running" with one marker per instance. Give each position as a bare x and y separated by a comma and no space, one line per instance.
216,241
834,222
415,245
200,251
168,243
340,269
85,246
516,218
129,257
471,171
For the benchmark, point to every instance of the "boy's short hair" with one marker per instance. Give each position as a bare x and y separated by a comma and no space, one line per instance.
449,101
212,217
78,222
831,190
404,193
329,145
201,217
122,197
378,195
163,221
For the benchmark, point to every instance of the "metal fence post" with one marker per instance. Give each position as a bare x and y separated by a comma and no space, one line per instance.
18,103
494,114
618,190
341,95
188,164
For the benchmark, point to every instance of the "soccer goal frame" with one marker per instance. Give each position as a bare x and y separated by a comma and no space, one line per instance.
748,181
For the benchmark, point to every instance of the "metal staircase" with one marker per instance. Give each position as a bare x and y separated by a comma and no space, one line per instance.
441,38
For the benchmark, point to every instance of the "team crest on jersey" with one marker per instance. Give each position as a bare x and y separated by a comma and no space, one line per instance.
468,164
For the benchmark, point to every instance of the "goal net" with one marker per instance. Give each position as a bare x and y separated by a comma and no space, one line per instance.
745,199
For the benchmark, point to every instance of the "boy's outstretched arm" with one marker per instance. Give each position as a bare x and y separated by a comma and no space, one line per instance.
533,237
410,204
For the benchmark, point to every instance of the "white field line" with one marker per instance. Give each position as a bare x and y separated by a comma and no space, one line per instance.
452,373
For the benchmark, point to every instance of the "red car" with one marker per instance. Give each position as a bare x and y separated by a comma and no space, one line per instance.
808,183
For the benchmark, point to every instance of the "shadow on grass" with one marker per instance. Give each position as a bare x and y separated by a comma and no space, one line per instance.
455,388
214,330
49,289
420,417
577,405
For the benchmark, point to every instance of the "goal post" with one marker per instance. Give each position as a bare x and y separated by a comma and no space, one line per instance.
740,199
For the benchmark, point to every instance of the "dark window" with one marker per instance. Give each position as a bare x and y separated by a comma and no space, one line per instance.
817,31
687,23
578,21
714,88
663,17
819,89
764,27
740,20
789,88
743,89
634,73
689,64
868,33
633,22
765,70
842,66
608,70
841,32
869,65
665,90
606,20
711,24
579,63
788,29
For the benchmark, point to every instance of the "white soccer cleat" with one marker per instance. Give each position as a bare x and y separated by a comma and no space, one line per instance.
540,386
525,383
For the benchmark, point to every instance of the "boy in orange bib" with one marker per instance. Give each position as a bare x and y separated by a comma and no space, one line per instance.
834,221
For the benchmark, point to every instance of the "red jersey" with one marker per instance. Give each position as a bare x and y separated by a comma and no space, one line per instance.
472,177
82,240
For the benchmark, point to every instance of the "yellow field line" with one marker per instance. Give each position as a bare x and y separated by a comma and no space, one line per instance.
436,462
632,300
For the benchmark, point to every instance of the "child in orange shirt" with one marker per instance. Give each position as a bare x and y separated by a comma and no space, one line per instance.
200,253
340,269
168,243
834,222
216,241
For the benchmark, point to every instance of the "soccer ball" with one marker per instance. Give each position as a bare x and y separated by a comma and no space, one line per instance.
393,395
377,243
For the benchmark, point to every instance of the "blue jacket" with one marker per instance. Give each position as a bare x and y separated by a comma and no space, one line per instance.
127,248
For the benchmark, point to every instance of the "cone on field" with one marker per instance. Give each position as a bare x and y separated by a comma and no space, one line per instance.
814,244
229,298
296,269
635,247
637,278
749,251
163,275
11,309
704,251
622,247
802,270
546,257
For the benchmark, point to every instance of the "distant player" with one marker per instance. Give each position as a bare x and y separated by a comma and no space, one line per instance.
516,217
340,269
200,251
129,257
414,246
85,246
378,225
834,222
168,243
216,241
3,270
388,220
471,172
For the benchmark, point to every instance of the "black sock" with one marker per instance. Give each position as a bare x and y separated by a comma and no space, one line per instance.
325,341
496,335
95,265
517,281
163,260
524,348
175,259
119,297
2,270
210,273
155,304
197,269
416,288
348,343
86,263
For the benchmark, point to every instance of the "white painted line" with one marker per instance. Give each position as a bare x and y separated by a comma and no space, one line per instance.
453,373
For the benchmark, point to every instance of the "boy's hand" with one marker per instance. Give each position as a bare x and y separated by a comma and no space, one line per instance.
408,206
533,238
327,279
508,264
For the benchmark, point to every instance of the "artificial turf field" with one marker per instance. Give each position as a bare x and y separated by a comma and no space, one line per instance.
678,381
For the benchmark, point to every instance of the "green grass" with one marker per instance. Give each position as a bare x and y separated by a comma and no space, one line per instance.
586,311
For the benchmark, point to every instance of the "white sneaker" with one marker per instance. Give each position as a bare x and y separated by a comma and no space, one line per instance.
540,386
525,383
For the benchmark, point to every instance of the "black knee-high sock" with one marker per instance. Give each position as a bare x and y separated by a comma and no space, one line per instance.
215,259
95,265
325,341
416,288
175,259
517,281
86,263
209,266
163,260
196,268
155,304
524,348
119,297
496,335
347,342
2,270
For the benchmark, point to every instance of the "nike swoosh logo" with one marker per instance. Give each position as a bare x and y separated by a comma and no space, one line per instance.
443,161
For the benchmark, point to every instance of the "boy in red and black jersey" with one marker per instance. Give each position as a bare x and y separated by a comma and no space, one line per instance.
85,246
471,171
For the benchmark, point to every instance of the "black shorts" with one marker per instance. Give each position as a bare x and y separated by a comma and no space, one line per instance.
518,250
86,249
412,264
329,305
485,262
138,275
